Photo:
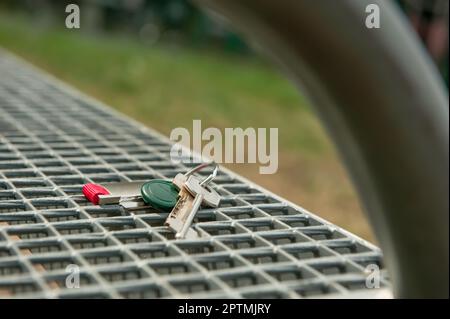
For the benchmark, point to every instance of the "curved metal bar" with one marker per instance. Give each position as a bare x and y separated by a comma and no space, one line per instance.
385,107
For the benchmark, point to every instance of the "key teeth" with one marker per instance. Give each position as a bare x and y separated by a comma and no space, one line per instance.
92,191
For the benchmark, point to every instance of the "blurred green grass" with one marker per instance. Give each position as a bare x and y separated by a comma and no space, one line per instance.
166,87
150,83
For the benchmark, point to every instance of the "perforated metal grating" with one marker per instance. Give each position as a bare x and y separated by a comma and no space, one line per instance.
53,140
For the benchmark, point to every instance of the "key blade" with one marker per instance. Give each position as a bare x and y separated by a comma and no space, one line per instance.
108,200
111,200
180,218
180,212
190,218
134,205
124,189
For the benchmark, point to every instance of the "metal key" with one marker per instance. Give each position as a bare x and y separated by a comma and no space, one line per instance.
195,186
203,195
120,191
181,217
126,194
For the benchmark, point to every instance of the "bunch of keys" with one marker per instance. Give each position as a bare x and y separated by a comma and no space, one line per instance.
193,193
182,197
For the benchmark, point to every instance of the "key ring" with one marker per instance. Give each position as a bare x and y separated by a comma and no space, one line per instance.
208,179
213,175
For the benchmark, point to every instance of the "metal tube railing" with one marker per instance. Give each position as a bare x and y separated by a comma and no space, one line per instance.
387,111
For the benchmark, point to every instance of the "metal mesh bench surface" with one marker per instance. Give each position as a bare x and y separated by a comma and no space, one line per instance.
53,140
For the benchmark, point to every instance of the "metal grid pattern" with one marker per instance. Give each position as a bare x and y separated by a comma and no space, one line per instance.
53,140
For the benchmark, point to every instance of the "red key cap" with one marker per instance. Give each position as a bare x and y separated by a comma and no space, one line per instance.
92,191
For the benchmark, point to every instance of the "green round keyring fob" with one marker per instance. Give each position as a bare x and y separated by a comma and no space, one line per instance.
159,193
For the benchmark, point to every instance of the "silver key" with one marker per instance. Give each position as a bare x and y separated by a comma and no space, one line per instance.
203,195
120,191
182,215
126,194
195,186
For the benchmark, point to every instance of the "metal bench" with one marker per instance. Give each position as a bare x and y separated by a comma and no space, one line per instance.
53,139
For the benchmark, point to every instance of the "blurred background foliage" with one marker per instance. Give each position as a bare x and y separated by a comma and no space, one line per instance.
165,63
